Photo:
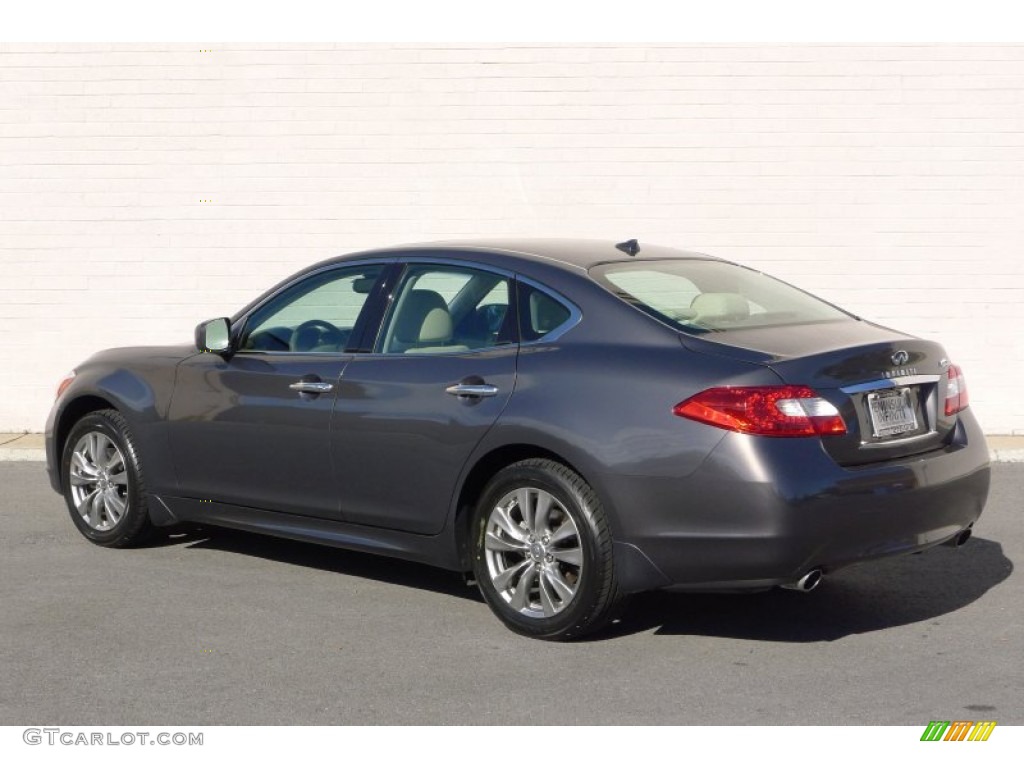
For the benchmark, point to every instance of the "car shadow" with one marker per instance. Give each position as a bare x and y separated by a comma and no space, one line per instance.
862,598
341,561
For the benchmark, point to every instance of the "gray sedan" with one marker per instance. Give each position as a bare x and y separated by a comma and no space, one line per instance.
570,422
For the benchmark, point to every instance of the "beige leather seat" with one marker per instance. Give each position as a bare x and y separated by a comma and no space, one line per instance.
423,325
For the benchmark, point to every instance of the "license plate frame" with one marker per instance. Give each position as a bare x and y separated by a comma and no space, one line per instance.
892,412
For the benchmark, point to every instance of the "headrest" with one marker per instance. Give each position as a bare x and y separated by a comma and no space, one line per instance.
730,305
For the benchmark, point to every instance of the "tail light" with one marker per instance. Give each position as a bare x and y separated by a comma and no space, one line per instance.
783,411
956,390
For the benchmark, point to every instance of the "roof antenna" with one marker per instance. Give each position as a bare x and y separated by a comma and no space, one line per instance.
632,247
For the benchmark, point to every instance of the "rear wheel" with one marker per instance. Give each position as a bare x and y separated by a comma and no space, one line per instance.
103,483
542,552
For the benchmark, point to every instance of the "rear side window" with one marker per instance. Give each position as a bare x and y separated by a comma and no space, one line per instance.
540,314
448,310
702,295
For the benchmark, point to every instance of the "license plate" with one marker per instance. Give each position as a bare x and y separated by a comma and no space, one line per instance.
892,412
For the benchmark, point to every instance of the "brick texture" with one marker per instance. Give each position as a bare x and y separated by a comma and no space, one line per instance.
146,187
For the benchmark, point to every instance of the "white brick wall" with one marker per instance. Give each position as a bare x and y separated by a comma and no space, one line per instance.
146,187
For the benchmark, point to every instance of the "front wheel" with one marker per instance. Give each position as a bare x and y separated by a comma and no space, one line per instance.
542,552
103,483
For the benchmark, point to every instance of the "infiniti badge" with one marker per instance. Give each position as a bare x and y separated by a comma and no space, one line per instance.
900,357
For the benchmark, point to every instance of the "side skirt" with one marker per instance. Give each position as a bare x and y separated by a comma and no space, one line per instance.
438,550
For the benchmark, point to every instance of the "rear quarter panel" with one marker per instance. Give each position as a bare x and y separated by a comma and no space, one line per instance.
601,396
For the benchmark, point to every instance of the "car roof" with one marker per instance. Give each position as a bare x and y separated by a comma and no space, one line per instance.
580,253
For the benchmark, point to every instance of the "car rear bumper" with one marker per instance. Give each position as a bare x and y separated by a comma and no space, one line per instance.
763,511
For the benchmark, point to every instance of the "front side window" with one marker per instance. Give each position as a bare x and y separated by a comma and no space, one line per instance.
703,295
316,315
448,310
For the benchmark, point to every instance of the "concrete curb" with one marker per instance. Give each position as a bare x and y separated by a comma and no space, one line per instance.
1007,455
22,447
1002,449
22,454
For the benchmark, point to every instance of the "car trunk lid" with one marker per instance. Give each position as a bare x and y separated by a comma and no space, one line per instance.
889,387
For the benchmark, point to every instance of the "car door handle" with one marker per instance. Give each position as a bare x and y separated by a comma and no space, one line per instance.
311,387
472,390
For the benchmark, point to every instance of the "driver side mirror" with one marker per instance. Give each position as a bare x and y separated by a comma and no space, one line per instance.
214,336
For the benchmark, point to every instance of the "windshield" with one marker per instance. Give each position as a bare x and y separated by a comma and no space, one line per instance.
702,295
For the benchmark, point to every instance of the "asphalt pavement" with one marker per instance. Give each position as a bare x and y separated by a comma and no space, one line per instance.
217,627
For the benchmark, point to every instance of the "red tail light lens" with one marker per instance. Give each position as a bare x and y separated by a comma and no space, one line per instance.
785,411
956,390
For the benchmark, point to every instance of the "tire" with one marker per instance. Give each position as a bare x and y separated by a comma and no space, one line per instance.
101,475
551,578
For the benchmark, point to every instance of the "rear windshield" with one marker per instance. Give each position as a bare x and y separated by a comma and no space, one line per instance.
701,296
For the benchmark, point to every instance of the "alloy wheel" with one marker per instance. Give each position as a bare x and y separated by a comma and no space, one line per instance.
533,552
99,481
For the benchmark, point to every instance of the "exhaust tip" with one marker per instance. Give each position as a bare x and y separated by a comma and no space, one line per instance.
807,582
960,539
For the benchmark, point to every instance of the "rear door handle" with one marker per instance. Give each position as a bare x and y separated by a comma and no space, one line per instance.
472,390
311,387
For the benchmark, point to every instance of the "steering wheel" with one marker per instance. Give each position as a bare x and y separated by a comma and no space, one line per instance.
311,334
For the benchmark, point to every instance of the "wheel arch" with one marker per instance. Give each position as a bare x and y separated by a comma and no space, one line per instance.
70,415
482,470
